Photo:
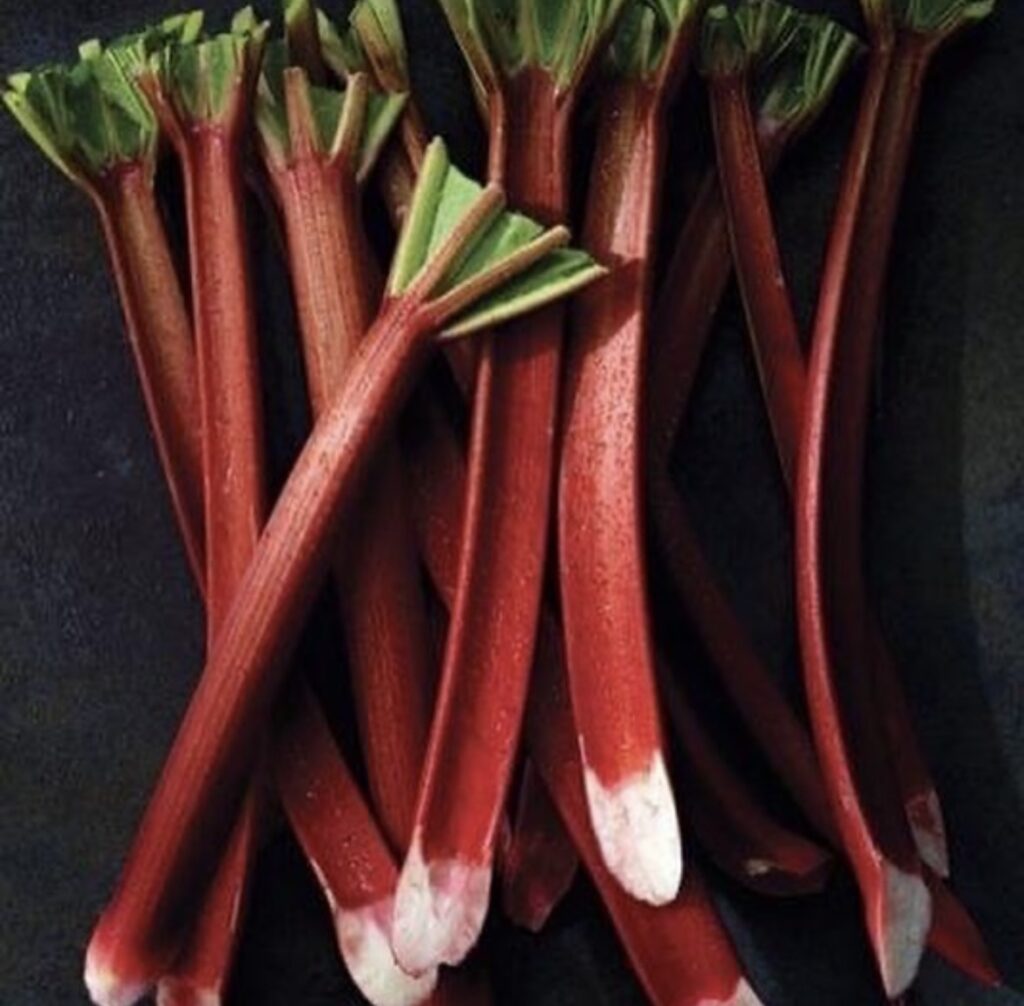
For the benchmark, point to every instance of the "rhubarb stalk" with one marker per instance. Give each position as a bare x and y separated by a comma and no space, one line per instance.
849,308
540,864
831,591
780,357
681,952
609,649
864,800
313,148
532,67
691,292
682,321
95,127
462,264
659,942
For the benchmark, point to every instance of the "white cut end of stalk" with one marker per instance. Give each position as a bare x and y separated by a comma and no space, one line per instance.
440,909
904,927
105,988
758,867
924,813
170,994
637,830
364,936
743,996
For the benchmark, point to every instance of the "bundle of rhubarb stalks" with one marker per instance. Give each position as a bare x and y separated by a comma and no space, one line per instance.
488,476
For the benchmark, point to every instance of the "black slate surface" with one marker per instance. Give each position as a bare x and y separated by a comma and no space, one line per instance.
100,630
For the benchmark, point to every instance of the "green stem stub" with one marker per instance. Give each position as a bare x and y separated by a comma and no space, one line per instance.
501,37
85,121
91,117
941,18
647,36
794,59
800,81
475,263
294,117
209,80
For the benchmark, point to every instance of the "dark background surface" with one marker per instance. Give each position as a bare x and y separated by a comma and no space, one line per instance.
100,629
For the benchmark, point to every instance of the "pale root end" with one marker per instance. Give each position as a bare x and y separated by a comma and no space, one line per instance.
902,928
743,996
106,988
172,993
364,936
440,909
637,829
924,813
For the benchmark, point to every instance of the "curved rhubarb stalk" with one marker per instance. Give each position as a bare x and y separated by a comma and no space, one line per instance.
602,572
858,776
70,114
831,593
680,952
695,282
461,265
850,299
681,324
445,884
780,357
734,829
659,942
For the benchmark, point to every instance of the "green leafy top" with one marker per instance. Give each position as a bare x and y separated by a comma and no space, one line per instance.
801,79
501,37
91,117
647,35
755,33
293,116
941,17
475,263
208,80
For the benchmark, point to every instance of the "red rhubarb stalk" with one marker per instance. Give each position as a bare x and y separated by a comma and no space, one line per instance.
149,280
540,864
315,166
444,889
160,337
315,178
208,140
737,833
682,321
437,285
851,293
656,940
694,285
835,631
858,776
603,578
680,952
118,178
780,357
349,854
